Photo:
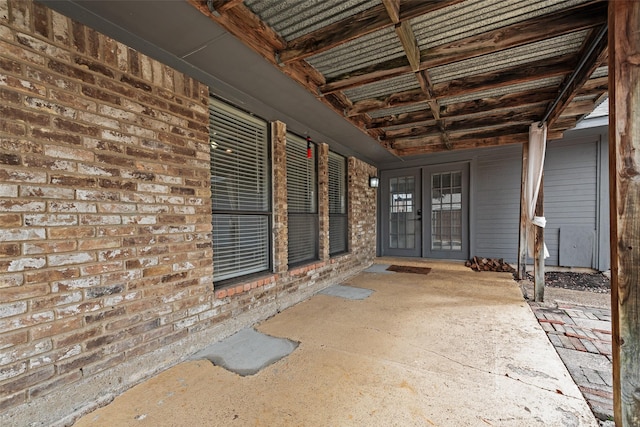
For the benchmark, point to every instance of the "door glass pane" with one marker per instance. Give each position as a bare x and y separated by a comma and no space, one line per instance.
446,211
402,214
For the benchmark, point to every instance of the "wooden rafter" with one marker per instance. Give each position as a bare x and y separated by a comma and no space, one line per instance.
437,123
529,98
434,106
221,6
400,138
361,24
532,30
593,54
535,70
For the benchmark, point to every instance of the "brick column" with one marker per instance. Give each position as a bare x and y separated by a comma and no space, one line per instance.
323,201
280,223
362,206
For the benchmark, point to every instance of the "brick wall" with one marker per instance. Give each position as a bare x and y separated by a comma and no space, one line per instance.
105,222
104,203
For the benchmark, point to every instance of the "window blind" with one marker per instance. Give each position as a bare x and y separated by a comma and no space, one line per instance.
240,192
301,201
337,203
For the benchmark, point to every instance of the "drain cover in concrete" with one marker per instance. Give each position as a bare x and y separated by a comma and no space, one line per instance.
247,351
378,268
348,292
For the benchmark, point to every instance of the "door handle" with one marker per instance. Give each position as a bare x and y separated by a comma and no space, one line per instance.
419,214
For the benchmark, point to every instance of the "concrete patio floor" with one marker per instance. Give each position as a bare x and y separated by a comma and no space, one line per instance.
451,348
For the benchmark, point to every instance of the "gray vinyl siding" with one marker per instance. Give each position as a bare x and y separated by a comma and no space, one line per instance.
497,203
570,192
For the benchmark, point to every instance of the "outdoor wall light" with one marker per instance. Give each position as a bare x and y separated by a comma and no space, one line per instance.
374,181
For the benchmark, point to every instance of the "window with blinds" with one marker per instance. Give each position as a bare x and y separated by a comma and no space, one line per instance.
240,192
302,201
337,204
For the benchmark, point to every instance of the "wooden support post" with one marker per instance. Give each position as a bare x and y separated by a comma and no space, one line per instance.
538,285
522,240
624,170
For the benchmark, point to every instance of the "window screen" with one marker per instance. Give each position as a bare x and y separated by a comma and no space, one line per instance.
302,201
337,204
240,192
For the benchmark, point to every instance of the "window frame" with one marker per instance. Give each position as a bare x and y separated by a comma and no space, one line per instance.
265,178
313,215
345,203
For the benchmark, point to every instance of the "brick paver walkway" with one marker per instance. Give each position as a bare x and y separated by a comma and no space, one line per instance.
582,338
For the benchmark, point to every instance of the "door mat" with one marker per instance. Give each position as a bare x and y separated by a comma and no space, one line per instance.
409,269
247,351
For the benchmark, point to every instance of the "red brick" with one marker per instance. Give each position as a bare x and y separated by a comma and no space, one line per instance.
12,400
47,387
27,380
55,328
78,363
51,275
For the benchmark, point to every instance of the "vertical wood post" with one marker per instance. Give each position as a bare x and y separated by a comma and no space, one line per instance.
538,285
624,173
522,239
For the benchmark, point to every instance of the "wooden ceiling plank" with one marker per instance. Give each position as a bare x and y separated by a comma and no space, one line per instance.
533,30
355,26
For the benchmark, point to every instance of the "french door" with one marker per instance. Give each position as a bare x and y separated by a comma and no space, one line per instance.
425,212
446,234
401,213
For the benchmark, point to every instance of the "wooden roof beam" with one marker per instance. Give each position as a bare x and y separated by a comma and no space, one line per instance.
515,135
350,28
531,98
434,107
499,119
221,6
592,55
530,31
535,70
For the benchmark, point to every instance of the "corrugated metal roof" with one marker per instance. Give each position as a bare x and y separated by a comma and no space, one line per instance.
361,52
600,72
294,18
383,88
475,17
365,50
556,46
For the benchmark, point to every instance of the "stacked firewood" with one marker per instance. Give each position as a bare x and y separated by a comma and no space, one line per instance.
489,264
